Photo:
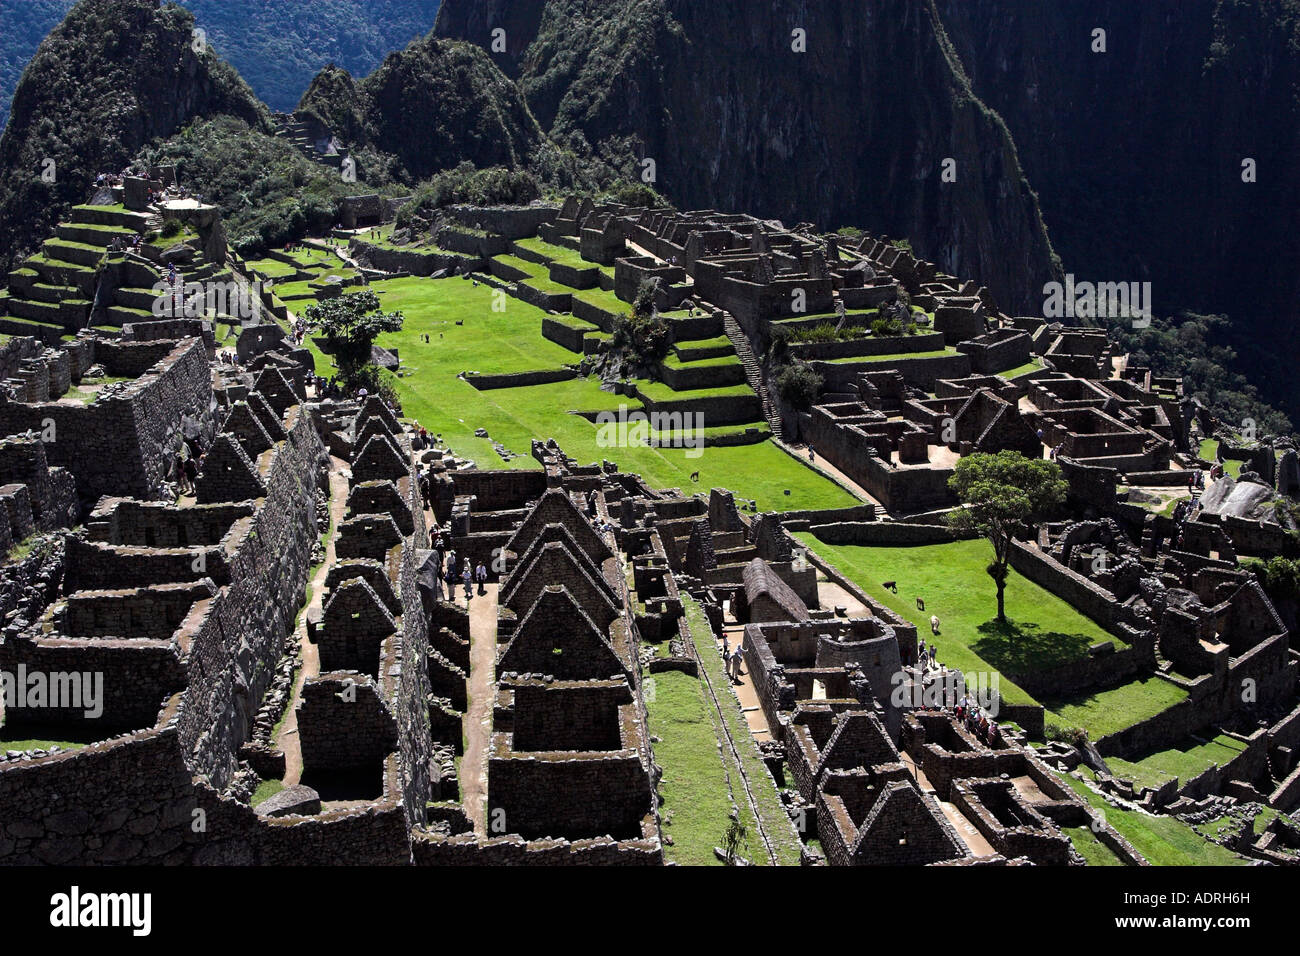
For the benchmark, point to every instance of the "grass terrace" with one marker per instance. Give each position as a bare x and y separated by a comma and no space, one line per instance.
892,357
1109,711
701,778
1033,365
561,254
1090,848
1184,762
1164,841
1042,631
511,341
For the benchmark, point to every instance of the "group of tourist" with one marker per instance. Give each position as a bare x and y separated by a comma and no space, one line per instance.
732,659
326,387
928,656
977,721
118,244
445,558
188,462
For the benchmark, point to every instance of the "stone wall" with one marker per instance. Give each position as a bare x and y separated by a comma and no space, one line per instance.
233,656
125,443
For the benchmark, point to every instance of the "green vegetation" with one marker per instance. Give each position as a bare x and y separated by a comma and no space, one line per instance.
1164,841
799,384
466,184
776,822
511,341
434,105
92,97
265,791
1279,576
269,193
1183,762
1033,365
1090,848
695,787
1185,345
701,780
1002,493
894,356
1043,632
350,324
1108,711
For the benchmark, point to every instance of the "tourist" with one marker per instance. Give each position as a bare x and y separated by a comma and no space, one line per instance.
480,575
736,658
179,471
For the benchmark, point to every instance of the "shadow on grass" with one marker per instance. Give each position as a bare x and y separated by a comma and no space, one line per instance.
1016,649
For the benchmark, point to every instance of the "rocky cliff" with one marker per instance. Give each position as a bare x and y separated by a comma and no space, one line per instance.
1137,152
853,130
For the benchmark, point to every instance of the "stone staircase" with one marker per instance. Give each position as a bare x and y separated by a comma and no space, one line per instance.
298,134
753,372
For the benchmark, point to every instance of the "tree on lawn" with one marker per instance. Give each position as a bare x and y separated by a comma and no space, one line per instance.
350,324
1002,493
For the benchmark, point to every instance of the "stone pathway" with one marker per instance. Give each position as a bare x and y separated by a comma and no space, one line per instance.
309,666
745,691
482,697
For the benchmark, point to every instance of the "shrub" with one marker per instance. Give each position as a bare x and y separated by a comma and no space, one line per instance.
466,184
645,339
886,326
798,384
643,303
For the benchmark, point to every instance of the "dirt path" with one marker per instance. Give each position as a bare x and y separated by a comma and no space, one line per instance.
288,741
482,695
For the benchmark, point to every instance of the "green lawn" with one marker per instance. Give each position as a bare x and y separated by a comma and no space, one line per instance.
1164,841
603,299
1042,631
1209,451
1184,762
1090,848
700,778
561,254
694,787
1109,711
511,341
1033,365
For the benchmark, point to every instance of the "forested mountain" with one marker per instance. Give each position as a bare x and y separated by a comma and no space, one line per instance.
277,45
112,76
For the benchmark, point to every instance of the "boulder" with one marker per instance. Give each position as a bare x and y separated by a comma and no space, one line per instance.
291,801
